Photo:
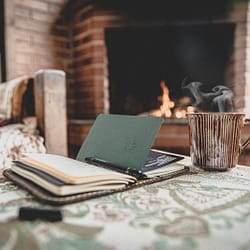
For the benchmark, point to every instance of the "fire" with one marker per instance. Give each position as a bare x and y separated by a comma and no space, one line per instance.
167,104
169,109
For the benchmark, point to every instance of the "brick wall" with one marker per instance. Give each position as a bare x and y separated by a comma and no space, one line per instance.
37,37
246,104
89,58
239,15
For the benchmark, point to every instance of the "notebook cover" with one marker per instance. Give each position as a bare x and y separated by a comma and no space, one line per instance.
47,177
124,140
48,198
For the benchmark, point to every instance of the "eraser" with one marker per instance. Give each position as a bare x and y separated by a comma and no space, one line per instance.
46,214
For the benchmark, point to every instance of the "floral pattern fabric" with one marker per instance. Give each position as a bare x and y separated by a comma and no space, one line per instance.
17,139
208,210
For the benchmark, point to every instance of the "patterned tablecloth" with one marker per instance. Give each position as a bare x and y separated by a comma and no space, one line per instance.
207,210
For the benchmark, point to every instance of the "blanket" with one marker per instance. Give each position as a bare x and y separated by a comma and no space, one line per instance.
16,140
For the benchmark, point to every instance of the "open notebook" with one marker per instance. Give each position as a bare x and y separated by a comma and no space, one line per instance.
115,155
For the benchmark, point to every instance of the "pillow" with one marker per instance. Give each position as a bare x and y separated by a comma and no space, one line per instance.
6,94
17,100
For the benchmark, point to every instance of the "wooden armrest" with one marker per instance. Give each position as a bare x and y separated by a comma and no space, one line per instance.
50,109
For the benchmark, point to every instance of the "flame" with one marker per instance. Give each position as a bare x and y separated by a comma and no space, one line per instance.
168,109
167,103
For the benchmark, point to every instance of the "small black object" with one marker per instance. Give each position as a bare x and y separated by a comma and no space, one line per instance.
33,213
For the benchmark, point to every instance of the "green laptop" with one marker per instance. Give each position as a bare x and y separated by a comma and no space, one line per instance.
123,140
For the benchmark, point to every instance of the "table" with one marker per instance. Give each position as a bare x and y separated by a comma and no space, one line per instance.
208,210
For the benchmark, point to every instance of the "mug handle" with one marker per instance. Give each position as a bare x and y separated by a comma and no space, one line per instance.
245,144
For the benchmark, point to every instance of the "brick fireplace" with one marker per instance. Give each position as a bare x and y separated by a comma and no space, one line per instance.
98,26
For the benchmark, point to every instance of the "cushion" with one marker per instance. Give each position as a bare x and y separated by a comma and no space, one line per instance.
7,90
17,100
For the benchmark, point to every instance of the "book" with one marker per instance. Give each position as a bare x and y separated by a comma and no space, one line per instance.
65,176
115,154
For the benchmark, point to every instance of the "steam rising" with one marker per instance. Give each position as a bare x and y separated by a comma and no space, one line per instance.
220,99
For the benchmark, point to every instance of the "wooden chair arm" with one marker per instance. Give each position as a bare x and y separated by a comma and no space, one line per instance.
50,109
